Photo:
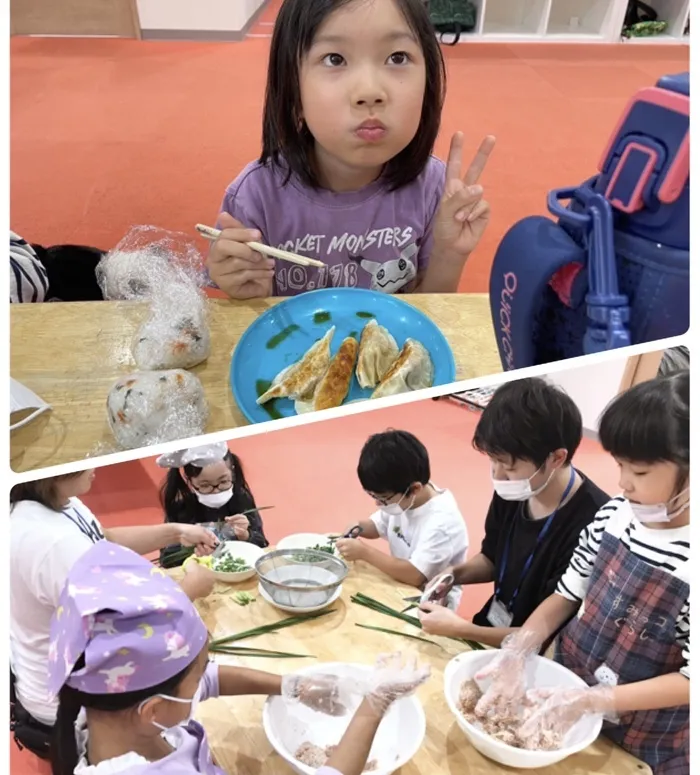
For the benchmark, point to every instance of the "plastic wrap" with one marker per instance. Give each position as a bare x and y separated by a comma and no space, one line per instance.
176,333
146,262
153,407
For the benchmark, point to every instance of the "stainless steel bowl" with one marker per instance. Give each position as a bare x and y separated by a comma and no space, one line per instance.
300,578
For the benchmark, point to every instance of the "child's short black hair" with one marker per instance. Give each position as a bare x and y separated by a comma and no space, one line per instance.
528,419
287,142
650,422
391,462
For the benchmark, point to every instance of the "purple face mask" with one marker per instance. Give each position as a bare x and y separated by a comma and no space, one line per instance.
135,625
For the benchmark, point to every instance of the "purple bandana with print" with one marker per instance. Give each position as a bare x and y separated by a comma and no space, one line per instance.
135,625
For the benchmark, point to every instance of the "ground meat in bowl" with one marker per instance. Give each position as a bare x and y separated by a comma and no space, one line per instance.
505,728
315,756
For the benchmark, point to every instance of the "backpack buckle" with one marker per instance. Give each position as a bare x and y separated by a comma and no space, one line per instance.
632,175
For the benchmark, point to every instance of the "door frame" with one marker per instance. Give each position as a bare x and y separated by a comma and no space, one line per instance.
640,368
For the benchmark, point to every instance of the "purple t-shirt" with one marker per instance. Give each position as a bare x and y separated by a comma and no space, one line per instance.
371,238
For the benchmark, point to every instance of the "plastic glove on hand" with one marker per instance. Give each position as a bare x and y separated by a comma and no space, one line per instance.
327,694
200,537
556,710
395,676
437,590
507,671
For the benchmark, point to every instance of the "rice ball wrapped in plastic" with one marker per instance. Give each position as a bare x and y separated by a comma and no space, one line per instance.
176,333
131,275
146,261
151,407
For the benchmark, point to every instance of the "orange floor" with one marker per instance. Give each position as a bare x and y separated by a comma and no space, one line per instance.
308,474
106,134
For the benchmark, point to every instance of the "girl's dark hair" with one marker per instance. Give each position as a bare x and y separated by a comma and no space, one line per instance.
64,748
650,423
175,489
674,359
528,419
287,141
44,491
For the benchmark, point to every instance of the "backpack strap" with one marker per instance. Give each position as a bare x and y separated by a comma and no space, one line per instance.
529,256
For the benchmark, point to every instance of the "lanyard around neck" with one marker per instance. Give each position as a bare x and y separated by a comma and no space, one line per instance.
540,538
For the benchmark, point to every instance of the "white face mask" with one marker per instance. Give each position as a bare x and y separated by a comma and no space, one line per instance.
192,703
658,512
395,509
518,489
215,500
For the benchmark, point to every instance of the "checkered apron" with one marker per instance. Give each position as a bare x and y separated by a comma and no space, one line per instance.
626,632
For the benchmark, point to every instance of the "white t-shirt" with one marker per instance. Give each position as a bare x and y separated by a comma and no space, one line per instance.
44,546
432,537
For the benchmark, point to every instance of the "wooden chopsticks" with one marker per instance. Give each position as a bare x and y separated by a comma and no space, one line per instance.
283,255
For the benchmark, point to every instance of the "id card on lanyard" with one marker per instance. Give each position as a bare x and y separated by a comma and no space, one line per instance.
500,614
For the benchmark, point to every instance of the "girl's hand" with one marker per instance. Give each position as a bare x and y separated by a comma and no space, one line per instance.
464,213
240,526
202,539
507,671
238,270
395,676
198,582
557,710
438,620
323,693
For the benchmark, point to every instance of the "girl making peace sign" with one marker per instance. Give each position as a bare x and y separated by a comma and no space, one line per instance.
354,96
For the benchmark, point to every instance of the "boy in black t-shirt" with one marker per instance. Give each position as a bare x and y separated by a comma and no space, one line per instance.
530,431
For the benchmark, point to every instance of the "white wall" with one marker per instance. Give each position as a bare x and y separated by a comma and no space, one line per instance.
592,387
206,15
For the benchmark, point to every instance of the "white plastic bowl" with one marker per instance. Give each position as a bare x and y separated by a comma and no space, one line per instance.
398,739
541,673
248,552
303,541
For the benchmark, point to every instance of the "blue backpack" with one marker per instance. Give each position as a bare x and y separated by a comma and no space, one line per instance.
613,269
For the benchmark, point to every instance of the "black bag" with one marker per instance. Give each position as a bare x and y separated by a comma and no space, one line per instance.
26,730
639,12
71,271
452,17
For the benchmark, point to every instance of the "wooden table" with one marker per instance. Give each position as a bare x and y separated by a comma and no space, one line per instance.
234,725
71,354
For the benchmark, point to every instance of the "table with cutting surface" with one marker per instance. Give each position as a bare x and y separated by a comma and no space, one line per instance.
71,354
234,725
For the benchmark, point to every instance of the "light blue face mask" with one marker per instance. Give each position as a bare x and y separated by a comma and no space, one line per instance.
193,702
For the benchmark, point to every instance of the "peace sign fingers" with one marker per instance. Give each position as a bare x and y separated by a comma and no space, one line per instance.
479,161
454,158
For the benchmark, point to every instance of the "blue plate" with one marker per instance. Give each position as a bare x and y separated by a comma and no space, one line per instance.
281,336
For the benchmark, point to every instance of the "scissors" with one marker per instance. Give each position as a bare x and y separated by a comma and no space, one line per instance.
354,532
432,594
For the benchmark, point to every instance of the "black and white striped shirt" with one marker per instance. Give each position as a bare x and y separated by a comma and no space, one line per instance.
668,550
29,281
